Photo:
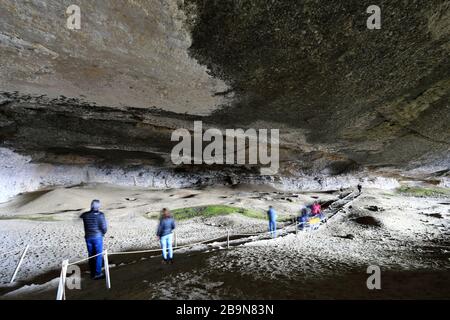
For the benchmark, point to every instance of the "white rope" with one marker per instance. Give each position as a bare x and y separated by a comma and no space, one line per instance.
284,229
133,252
193,244
174,248
146,251
57,245
181,247
85,259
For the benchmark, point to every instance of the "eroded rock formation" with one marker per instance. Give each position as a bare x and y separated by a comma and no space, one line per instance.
347,100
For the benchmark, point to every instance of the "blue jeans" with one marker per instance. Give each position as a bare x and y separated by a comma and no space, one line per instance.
95,246
273,227
166,245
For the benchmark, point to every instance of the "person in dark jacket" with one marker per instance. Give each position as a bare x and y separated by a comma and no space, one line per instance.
303,218
95,228
272,216
165,235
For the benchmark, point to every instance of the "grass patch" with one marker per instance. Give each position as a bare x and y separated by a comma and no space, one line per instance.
29,217
424,192
213,211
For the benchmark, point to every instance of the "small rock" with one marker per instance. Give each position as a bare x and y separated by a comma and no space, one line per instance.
374,208
434,215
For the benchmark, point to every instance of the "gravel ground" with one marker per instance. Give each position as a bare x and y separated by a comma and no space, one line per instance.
405,236
129,229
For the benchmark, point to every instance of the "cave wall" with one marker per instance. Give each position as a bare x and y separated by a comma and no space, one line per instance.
347,100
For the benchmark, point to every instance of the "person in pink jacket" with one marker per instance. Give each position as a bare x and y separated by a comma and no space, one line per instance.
316,208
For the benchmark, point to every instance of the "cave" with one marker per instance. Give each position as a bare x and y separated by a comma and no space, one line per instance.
220,115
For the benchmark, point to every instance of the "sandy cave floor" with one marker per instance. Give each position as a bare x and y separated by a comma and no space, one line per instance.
407,237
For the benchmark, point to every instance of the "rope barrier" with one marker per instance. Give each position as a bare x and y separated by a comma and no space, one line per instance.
158,250
134,252
85,259
282,230
208,240
181,247
268,232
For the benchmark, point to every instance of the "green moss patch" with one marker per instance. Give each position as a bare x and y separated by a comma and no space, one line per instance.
212,211
424,192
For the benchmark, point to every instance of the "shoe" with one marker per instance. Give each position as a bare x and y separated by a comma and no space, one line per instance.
100,276
171,261
163,261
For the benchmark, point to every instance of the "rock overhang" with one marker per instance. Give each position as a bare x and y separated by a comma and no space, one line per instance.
344,97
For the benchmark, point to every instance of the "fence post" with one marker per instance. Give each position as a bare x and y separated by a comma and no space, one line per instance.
19,264
175,239
108,279
62,280
228,239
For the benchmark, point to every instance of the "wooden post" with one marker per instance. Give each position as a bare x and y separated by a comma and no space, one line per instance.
228,239
19,264
175,239
108,279
62,280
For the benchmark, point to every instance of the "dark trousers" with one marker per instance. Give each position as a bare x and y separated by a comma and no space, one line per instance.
95,246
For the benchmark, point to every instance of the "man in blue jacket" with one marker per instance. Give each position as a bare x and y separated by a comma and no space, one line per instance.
165,235
94,230
272,215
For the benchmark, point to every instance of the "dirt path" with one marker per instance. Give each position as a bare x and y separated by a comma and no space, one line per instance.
192,277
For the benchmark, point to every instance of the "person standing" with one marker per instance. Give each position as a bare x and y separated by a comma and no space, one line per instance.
302,219
316,208
165,235
359,187
95,228
272,215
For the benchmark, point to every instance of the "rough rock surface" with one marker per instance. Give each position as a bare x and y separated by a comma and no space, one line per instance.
347,100
127,52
